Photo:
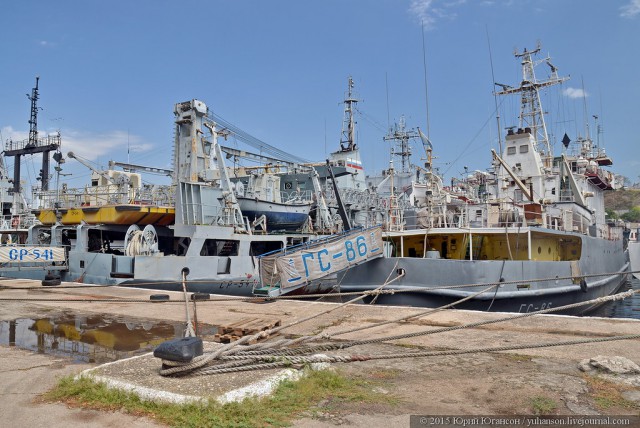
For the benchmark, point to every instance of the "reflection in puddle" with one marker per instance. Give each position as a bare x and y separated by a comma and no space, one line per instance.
87,338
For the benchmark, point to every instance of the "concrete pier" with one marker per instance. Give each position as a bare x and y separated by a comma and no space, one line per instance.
463,384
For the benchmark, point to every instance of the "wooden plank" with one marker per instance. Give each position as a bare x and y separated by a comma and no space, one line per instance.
244,327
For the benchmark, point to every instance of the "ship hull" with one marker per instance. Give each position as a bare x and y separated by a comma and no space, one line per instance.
634,256
523,290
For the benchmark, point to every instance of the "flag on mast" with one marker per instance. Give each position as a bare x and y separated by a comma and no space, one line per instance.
425,141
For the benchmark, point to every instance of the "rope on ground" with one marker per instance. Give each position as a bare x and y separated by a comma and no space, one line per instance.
198,364
413,354
418,315
205,359
276,361
343,345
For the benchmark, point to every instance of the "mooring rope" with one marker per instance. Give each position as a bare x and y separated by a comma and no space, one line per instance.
343,345
205,359
223,353
277,361
418,315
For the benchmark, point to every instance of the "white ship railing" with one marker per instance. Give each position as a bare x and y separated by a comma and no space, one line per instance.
104,195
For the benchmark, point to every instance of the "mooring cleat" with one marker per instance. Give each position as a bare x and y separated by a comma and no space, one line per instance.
182,350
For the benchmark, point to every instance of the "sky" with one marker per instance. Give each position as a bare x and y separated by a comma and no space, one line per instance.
111,72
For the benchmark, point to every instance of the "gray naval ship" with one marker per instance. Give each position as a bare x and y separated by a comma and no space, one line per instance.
533,225
119,231
205,228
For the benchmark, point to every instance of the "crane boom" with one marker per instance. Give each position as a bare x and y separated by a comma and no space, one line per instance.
88,165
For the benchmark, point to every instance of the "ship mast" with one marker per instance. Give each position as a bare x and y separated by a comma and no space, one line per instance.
531,114
347,140
401,136
33,145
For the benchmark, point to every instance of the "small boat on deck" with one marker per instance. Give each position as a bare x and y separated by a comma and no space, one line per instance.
279,215
261,197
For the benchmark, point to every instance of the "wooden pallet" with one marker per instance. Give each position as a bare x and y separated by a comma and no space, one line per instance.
225,338
232,332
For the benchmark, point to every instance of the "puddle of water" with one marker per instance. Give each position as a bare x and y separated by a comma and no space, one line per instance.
88,338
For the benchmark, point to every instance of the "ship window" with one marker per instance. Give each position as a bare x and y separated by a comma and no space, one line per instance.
182,246
511,150
517,195
219,247
263,247
524,149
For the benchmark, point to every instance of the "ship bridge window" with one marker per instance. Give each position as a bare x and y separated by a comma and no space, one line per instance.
524,149
511,150
219,247
263,247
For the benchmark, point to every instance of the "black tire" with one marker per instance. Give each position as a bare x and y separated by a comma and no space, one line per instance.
159,297
50,282
51,276
200,296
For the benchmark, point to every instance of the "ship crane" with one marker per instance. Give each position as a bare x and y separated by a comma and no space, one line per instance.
130,167
102,174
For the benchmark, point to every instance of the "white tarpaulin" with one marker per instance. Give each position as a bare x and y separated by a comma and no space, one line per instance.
31,254
317,259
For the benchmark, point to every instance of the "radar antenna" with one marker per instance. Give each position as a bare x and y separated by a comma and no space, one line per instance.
531,114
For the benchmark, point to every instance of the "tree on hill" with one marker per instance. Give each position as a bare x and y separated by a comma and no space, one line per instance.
611,214
633,215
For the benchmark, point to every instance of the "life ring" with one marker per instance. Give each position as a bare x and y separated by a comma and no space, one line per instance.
15,222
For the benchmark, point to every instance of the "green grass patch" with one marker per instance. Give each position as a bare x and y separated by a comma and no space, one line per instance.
288,401
607,394
541,405
517,357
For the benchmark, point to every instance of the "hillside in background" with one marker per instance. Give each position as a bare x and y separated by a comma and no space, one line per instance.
622,200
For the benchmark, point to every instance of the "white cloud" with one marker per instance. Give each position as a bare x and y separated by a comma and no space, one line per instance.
88,145
421,9
575,93
93,146
630,10
8,133
428,12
